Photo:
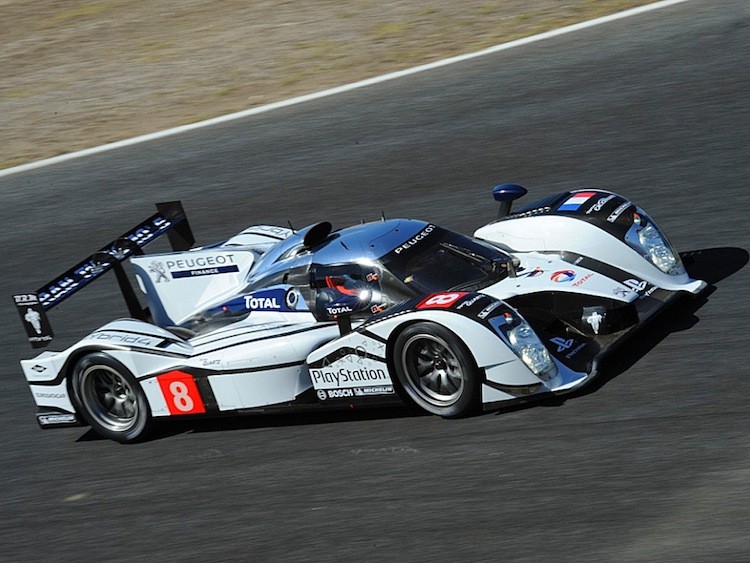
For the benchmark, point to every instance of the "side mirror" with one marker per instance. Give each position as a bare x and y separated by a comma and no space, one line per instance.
506,194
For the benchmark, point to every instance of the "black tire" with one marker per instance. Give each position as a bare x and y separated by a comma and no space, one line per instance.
110,399
436,370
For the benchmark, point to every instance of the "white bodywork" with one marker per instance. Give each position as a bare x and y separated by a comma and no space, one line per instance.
274,358
554,233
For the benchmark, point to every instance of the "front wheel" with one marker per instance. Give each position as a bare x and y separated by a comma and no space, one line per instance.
436,370
110,398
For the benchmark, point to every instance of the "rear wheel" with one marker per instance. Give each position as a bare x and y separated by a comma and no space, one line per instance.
110,398
436,370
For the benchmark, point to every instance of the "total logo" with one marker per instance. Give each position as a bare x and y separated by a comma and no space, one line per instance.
563,276
262,303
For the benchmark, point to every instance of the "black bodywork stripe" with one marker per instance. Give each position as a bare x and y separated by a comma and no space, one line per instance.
300,331
372,335
195,341
198,371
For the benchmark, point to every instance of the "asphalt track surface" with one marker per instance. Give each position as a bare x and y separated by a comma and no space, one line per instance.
650,463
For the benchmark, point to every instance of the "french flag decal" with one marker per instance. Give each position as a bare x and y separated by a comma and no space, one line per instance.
575,201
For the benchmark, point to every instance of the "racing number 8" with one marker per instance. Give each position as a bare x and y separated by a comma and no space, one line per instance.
181,396
441,300
181,393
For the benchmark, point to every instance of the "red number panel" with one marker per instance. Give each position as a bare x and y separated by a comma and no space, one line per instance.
441,300
181,393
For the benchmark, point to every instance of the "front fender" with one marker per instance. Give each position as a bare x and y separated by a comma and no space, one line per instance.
593,224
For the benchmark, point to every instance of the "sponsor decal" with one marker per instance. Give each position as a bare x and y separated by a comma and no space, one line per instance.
205,272
34,318
562,344
124,338
575,350
277,299
209,362
635,285
595,320
279,232
25,299
291,298
563,276
192,267
44,338
48,419
181,393
200,262
575,201
81,274
332,378
39,369
599,204
620,292
347,393
367,391
262,303
159,270
339,393
414,240
648,292
31,311
617,212
484,313
583,279
537,271
470,302
441,300
338,310
46,395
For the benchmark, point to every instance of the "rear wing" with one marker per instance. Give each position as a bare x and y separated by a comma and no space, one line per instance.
32,307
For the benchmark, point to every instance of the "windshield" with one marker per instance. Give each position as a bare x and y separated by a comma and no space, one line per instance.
444,260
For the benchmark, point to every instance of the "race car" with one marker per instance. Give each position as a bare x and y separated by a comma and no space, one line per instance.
386,312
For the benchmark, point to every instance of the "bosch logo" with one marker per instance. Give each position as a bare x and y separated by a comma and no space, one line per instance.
563,276
322,395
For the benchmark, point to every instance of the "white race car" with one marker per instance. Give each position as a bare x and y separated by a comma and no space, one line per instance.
389,311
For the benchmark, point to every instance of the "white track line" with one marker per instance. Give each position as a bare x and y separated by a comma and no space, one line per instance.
338,89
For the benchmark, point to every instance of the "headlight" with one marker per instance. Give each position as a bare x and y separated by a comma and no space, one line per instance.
527,346
646,237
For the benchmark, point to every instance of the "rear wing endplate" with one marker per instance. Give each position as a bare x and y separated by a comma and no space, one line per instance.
170,218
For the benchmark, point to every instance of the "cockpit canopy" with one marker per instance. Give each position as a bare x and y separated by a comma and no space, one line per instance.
381,263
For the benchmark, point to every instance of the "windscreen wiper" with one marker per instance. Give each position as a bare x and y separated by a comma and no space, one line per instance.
484,263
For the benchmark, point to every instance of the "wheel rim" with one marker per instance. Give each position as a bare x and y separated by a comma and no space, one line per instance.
433,370
109,398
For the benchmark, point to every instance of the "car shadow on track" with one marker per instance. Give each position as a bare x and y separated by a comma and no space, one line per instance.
167,429
712,265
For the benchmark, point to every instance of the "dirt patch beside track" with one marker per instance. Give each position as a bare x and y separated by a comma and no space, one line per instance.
82,73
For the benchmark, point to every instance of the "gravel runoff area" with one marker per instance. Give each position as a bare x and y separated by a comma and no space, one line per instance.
78,74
